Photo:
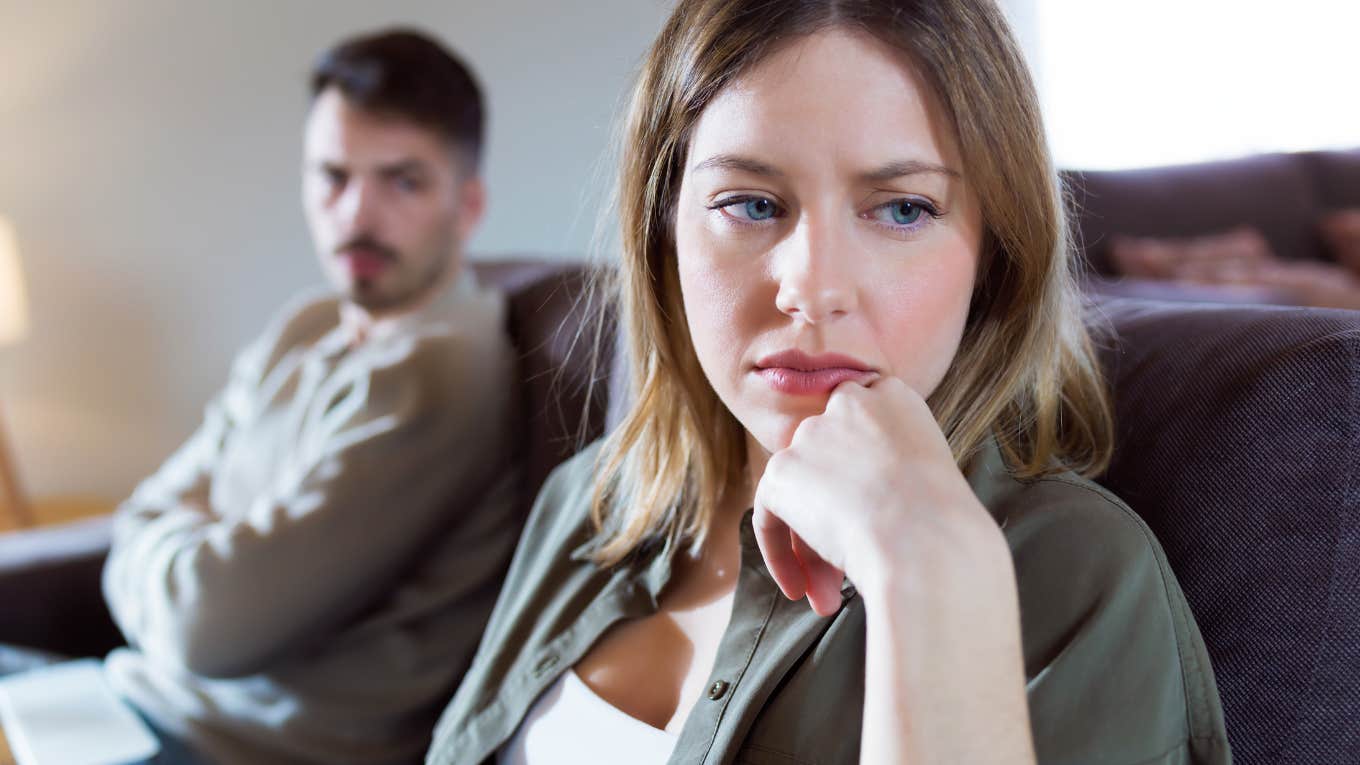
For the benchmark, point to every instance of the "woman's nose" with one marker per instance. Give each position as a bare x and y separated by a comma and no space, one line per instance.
815,271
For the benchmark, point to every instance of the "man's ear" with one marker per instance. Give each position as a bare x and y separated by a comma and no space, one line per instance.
471,206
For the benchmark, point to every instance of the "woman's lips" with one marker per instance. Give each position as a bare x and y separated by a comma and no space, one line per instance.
808,382
802,374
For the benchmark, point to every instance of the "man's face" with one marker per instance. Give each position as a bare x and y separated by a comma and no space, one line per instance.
388,203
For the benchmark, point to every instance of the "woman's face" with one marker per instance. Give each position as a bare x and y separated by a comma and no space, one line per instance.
824,233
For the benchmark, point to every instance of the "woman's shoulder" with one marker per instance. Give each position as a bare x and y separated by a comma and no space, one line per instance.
558,525
1076,516
1053,506
1109,639
1065,521
561,511
1079,552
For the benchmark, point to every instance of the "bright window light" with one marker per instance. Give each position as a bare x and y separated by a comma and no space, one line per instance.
1159,82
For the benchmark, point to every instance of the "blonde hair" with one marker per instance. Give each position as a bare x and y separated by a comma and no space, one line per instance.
1025,373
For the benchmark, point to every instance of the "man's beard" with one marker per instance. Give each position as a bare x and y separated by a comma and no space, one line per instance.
408,288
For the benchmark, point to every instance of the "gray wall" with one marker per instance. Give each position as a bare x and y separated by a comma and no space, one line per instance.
148,159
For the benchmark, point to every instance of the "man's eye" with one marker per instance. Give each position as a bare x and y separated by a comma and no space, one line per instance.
335,178
408,184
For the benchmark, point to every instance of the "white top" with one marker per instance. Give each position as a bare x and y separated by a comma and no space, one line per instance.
569,724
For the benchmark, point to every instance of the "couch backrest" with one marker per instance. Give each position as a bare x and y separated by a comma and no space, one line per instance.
1282,195
1238,433
562,398
1337,176
1238,437
1272,192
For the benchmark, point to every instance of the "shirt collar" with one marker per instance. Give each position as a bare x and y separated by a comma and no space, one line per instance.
652,562
989,478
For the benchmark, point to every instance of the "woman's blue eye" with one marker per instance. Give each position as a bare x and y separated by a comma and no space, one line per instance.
744,209
905,213
759,209
902,213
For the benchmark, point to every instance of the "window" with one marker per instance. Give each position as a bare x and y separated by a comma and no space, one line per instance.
1170,81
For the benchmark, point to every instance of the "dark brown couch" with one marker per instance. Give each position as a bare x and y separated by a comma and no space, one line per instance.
1238,429
1281,195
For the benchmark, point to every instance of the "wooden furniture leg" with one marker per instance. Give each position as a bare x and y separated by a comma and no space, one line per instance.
12,499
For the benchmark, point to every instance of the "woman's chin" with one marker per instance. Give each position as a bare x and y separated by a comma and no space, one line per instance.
775,431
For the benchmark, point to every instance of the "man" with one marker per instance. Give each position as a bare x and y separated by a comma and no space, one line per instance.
305,580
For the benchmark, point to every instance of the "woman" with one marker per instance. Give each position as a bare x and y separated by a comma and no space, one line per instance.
860,377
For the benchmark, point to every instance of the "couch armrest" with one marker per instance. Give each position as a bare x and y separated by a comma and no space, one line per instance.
50,596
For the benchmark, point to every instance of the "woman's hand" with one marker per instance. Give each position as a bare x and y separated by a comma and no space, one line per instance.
868,481
870,488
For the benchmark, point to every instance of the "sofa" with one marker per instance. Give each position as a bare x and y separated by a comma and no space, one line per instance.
1283,196
1238,428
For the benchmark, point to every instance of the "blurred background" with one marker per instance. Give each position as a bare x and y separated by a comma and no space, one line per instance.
149,154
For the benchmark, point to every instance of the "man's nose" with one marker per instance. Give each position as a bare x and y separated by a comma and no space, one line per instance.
358,205
815,270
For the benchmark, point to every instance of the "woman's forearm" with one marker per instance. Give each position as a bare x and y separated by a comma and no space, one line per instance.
944,671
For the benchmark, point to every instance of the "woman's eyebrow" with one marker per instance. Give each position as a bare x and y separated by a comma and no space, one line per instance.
738,163
905,167
891,170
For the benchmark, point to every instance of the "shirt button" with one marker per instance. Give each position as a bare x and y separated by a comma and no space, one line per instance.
717,689
544,664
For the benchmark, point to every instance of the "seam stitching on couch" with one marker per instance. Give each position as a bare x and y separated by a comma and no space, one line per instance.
1352,439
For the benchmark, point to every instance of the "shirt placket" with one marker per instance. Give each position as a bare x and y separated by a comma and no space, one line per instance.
317,368
752,607
310,376
621,599
766,636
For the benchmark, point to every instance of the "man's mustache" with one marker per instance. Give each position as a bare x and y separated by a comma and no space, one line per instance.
367,244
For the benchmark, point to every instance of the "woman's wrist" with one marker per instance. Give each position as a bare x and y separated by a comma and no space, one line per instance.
905,558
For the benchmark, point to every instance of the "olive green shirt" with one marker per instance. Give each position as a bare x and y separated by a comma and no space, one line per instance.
1116,669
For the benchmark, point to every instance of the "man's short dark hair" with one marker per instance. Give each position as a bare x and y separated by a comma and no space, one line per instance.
406,73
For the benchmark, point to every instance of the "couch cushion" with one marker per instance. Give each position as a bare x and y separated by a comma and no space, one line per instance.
1272,192
1225,257
1156,289
1238,430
